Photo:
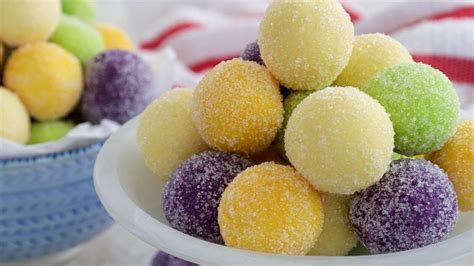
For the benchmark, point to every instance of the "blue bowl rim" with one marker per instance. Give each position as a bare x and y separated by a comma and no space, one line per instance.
51,156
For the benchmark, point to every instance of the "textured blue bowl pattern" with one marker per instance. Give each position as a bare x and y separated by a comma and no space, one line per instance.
48,203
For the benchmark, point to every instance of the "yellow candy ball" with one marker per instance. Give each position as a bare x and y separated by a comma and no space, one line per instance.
166,134
340,139
337,237
371,53
457,159
113,37
306,44
270,208
237,107
14,119
47,78
26,21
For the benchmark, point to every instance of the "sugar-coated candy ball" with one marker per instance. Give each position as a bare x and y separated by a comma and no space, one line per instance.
457,159
166,133
165,259
14,119
340,139
47,78
337,237
83,9
306,44
113,37
371,53
271,208
252,53
289,105
192,194
422,103
78,37
119,86
49,131
237,107
412,206
26,21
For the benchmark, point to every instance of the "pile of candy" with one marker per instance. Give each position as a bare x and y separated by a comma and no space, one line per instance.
354,101
61,67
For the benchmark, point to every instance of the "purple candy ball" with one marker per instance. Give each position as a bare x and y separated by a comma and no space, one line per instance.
413,205
165,259
118,87
252,53
192,194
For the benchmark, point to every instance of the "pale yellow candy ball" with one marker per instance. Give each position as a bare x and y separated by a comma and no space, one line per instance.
337,237
306,44
14,119
25,21
47,78
166,134
340,139
270,208
371,53
113,37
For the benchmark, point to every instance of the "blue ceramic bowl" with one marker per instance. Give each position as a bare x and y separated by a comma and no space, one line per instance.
48,203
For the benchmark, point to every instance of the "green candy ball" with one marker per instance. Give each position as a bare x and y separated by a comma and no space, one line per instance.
83,9
289,105
49,131
422,103
78,37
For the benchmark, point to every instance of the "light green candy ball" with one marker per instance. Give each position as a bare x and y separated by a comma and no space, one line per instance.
83,9
289,105
77,37
422,103
49,131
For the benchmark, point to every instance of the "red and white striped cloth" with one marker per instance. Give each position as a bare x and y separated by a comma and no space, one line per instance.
436,32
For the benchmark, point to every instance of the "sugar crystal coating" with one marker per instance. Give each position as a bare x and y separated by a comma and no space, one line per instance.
457,159
14,119
119,85
412,206
371,53
113,37
271,208
422,103
165,259
337,237
192,194
237,107
289,105
27,21
166,134
78,37
306,44
252,53
47,78
340,139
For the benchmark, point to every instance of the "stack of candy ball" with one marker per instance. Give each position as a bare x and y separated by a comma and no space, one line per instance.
61,67
354,102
